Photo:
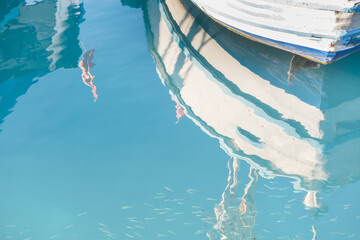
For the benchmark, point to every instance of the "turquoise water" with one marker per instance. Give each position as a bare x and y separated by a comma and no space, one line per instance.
146,120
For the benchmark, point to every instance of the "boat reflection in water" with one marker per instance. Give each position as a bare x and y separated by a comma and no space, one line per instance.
283,115
36,38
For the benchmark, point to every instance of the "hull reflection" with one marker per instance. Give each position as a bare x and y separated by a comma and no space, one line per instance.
282,118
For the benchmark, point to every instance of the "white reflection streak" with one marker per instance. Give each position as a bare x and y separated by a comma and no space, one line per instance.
220,209
314,231
310,200
236,222
62,14
243,206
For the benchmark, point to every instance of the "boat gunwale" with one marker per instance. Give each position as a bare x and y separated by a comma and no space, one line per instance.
325,57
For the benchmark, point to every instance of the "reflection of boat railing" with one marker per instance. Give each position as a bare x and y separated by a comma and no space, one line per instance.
244,99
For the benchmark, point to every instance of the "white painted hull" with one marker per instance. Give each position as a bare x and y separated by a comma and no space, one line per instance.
324,31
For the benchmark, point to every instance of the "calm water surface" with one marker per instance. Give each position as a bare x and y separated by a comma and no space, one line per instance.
145,120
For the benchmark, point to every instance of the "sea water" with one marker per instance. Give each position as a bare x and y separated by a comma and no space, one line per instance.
146,120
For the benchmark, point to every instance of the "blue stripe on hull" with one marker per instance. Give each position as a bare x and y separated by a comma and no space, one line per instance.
323,57
311,53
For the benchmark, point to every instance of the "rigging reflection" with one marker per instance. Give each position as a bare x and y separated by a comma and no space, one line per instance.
35,39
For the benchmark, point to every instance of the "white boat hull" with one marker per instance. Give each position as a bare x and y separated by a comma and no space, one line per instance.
321,31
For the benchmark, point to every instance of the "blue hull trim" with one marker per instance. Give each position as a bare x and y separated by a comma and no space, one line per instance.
310,53
316,55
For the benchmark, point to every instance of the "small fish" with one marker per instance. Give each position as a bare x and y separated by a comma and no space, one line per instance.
103,225
352,235
69,226
173,200
135,221
197,212
27,230
158,197
277,196
81,214
338,233
169,189
128,235
111,235
160,235
191,191
199,232
160,193
271,188
196,207
347,206
126,207
285,237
